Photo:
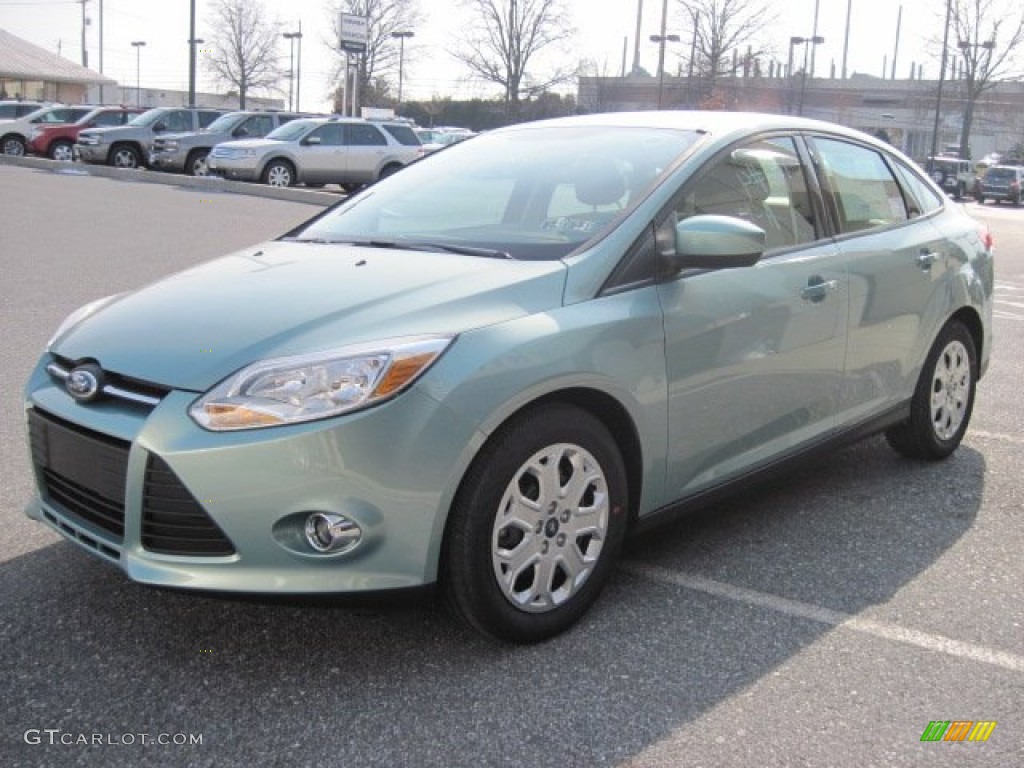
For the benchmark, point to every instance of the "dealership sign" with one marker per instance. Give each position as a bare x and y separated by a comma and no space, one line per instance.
354,32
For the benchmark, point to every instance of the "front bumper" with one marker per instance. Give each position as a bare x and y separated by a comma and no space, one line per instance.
90,153
173,160
105,473
235,169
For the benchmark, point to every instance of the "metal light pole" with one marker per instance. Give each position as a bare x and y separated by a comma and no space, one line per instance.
942,79
298,67
192,53
291,37
813,40
137,45
661,40
401,59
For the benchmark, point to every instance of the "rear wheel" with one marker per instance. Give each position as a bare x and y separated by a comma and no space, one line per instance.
61,150
536,525
390,170
279,173
13,145
124,156
941,407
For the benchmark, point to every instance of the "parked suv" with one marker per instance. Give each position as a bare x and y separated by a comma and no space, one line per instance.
14,133
57,141
128,146
317,151
954,174
1001,182
186,152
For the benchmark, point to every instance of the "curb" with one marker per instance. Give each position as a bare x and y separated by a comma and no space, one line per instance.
211,183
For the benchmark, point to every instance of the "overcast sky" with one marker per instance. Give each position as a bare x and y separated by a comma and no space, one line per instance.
602,27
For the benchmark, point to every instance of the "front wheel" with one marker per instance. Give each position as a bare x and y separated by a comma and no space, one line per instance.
943,399
279,173
61,150
125,156
196,165
536,526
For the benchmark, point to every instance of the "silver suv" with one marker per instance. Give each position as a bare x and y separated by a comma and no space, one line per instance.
334,150
128,146
186,152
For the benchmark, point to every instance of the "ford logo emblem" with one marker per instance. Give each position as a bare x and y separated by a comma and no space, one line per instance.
85,382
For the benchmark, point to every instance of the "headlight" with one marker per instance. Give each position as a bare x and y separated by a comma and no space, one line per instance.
79,315
247,153
170,144
34,131
289,390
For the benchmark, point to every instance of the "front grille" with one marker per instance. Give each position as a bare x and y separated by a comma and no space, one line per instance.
173,521
124,388
83,472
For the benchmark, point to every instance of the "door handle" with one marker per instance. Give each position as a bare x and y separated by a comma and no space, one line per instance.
926,258
818,288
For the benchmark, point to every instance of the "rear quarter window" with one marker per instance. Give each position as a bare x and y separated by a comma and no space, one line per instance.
403,134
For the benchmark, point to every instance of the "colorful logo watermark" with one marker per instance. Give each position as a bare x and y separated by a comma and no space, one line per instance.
958,730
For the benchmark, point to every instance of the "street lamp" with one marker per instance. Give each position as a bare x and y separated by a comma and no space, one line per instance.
401,59
137,45
291,37
661,40
794,41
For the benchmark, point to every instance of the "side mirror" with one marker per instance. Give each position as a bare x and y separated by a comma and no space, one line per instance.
240,132
312,140
160,126
716,242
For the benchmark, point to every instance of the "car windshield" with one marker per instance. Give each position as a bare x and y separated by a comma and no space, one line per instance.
147,118
528,193
290,131
1000,174
224,123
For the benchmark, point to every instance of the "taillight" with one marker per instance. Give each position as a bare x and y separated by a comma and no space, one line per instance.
986,238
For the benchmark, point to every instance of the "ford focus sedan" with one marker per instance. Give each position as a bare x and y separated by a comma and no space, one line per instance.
481,373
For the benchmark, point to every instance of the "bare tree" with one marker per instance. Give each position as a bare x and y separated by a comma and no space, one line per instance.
244,47
505,41
723,33
380,62
989,35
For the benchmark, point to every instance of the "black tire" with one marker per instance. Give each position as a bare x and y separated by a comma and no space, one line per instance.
279,173
124,156
943,399
195,164
390,170
565,546
61,150
12,144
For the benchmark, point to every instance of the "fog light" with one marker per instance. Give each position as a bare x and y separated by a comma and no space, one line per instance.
328,532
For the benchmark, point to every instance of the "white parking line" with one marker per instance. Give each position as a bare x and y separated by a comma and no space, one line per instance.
997,436
880,629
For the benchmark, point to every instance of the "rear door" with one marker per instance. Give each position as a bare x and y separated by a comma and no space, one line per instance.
366,147
897,261
754,355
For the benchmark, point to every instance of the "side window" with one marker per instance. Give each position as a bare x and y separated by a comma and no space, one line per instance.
363,135
921,198
330,135
109,118
205,118
178,120
865,193
763,183
258,126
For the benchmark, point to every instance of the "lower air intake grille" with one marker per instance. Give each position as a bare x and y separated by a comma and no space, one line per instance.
173,521
82,471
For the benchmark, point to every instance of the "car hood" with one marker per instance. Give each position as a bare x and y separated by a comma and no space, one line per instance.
110,129
250,143
192,329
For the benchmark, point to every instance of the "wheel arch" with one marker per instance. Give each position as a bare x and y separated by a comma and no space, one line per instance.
605,408
282,158
971,320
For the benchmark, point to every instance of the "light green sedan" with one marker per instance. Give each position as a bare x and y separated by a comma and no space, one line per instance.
483,371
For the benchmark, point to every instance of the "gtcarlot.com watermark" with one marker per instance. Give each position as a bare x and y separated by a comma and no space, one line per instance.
57,737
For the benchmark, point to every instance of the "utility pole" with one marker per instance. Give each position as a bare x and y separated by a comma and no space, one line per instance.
192,54
636,42
85,22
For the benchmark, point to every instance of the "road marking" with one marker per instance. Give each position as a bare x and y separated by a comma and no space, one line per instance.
982,435
880,629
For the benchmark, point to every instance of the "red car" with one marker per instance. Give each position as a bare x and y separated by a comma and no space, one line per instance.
55,141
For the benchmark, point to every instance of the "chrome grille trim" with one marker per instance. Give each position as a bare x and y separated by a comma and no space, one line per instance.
59,372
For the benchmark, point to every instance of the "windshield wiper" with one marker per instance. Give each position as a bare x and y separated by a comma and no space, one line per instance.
464,250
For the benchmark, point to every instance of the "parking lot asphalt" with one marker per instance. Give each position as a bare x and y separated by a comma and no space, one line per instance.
822,620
